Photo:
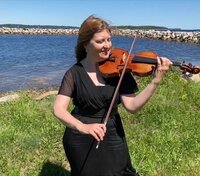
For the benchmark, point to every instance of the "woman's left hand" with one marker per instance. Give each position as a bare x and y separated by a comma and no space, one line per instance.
164,64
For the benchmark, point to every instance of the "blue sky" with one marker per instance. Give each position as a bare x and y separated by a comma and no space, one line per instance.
184,14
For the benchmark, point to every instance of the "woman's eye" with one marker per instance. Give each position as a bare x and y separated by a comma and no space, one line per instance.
109,40
99,41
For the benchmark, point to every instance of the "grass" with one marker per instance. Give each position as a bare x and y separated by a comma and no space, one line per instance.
163,137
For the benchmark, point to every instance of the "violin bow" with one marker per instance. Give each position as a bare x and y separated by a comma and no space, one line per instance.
118,85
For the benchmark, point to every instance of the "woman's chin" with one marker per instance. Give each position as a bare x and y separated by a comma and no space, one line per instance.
102,59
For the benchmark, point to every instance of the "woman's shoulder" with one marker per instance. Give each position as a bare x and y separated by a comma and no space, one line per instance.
75,69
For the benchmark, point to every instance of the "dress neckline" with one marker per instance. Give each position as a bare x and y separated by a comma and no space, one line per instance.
90,79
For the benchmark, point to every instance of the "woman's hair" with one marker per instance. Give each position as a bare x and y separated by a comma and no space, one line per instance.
87,30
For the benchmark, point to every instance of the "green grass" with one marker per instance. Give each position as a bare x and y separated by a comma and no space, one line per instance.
163,137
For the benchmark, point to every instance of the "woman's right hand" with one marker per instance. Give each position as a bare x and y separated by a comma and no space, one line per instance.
97,130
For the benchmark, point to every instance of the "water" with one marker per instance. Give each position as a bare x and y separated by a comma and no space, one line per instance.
39,61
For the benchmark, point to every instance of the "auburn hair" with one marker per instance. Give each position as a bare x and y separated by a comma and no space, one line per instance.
87,30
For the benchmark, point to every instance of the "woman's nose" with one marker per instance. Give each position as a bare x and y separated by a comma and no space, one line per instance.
107,44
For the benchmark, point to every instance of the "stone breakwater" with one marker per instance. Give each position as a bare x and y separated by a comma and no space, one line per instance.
180,36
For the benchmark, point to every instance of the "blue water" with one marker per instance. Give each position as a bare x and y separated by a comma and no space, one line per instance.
38,61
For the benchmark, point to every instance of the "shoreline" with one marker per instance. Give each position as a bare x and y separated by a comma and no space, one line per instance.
35,93
41,93
178,36
35,89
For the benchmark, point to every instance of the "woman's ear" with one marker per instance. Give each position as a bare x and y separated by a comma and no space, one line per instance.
85,46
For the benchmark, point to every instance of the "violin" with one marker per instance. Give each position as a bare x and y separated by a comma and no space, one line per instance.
140,64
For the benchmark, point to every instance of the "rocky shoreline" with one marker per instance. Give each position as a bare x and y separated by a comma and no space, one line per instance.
167,35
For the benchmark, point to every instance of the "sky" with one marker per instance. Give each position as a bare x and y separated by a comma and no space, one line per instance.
184,14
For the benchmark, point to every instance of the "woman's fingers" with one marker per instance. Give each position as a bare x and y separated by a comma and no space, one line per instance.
96,130
99,130
164,63
95,136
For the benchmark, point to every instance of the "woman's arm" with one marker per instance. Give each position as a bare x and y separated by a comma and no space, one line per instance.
61,105
133,103
97,130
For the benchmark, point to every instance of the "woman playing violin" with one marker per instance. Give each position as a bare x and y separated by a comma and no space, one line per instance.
91,94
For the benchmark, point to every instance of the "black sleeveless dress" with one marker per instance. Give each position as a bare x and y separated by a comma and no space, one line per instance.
91,103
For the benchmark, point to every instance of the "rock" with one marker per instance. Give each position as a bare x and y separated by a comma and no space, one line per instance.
195,77
9,98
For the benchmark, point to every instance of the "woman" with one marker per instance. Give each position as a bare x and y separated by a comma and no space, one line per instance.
91,94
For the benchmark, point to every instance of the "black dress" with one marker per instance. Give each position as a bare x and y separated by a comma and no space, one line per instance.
91,104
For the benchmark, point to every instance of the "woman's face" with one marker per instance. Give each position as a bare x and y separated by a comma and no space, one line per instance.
99,47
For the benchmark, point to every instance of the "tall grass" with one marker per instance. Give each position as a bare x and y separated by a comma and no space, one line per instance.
163,137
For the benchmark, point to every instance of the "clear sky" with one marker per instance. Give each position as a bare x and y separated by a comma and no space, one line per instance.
184,14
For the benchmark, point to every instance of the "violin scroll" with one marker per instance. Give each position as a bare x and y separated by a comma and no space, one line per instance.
190,68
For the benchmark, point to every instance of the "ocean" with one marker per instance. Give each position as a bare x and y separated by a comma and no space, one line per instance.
40,61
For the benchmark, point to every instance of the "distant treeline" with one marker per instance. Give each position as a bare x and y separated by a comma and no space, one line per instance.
37,26
142,27
75,27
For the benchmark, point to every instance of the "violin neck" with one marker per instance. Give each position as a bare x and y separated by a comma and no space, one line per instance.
153,61
144,60
177,64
